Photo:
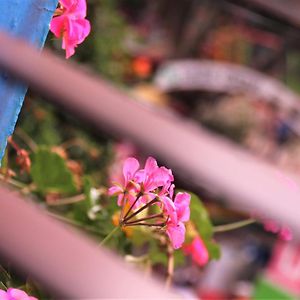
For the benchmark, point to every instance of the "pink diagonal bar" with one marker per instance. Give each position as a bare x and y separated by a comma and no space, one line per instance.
196,155
68,264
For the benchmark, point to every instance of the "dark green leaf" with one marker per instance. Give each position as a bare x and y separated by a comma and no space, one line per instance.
156,255
213,249
179,258
81,208
200,217
50,173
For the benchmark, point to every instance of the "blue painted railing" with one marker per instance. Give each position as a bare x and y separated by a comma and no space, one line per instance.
28,20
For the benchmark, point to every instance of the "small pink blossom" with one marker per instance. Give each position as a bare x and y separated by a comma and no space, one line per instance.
198,251
71,24
128,188
15,294
122,150
175,226
153,177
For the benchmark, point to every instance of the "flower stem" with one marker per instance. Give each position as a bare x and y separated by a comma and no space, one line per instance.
233,226
139,210
109,235
72,222
131,207
146,224
66,201
160,215
170,274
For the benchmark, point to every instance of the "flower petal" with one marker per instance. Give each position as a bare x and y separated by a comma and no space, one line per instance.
176,234
131,165
57,26
169,209
150,165
114,190
182,204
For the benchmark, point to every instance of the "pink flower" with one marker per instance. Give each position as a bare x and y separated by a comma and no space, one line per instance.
122,150
153,177
175,226
198,251
71,24
152,186
15,294
128,184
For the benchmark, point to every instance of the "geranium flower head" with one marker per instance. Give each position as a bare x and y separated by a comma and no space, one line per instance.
15,294
71,24
144,188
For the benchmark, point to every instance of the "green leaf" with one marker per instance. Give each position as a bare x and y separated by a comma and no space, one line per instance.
156,255
213,249
80,209
50,173
200,218
179,258
140,236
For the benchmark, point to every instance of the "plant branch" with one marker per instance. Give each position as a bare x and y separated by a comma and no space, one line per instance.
233,226
65,201
170,273
72,222
109,235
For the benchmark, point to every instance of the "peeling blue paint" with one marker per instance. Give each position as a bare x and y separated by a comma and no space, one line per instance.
29,20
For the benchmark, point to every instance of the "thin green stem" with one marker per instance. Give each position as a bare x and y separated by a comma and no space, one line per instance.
233,226
27,139
109,235
13,182
72,222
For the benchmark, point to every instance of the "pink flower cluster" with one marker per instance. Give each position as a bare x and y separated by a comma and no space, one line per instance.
15,294
70,24
142,188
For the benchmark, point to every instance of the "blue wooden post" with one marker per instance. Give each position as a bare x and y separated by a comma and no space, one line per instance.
29,20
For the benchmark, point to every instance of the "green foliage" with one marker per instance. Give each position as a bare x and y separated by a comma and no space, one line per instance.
213,249
200,218
156,254
80,209
50,173
104,48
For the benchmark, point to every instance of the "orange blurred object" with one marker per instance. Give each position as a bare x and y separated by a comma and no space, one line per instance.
142,66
